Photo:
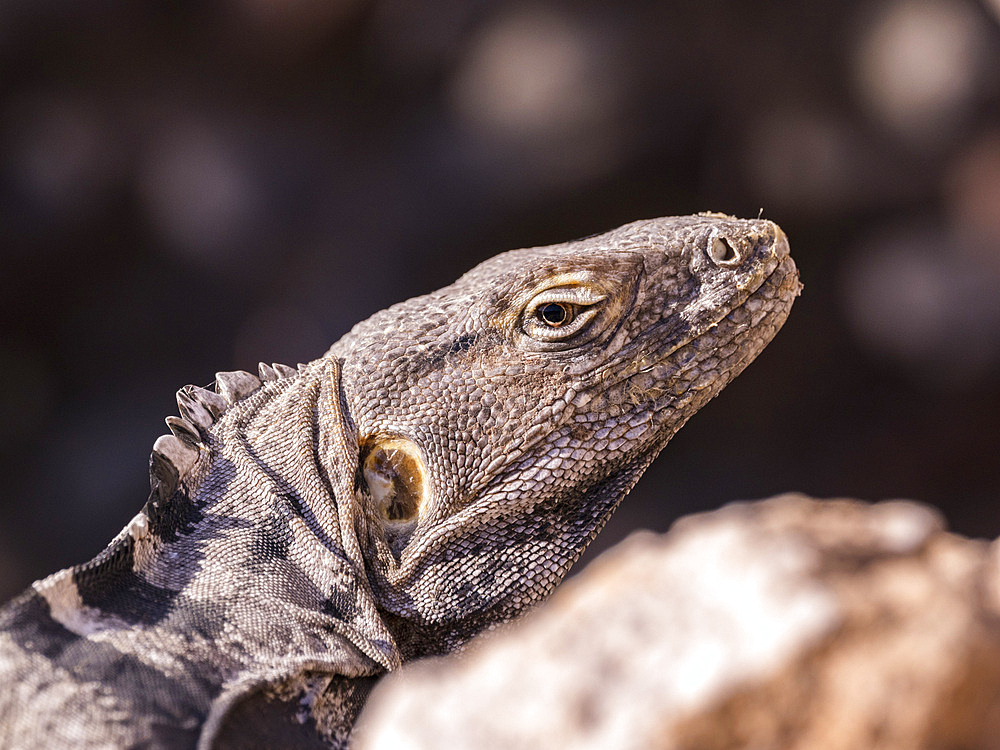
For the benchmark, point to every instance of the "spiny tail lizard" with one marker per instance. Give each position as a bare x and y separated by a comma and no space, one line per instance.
436,472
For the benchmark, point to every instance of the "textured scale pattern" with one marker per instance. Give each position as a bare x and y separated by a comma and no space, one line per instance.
265,587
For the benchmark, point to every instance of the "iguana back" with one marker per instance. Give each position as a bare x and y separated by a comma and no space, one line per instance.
433,474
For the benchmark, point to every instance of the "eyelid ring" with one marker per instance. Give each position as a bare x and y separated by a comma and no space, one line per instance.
581,298
577,295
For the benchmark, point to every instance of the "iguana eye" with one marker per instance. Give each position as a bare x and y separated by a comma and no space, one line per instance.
560,313
555,314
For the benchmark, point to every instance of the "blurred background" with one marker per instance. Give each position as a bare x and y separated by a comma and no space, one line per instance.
198,186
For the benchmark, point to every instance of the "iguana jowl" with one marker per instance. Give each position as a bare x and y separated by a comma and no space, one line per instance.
436,472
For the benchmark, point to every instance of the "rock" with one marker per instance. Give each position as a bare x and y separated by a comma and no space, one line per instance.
786,623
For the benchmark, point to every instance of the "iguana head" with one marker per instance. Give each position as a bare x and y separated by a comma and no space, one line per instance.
501,419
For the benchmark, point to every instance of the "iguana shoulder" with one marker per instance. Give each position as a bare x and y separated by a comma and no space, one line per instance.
232,579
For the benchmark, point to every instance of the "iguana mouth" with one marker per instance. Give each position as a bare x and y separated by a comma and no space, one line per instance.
782,279
781,284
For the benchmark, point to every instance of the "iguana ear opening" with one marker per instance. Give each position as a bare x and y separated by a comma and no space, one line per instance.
396,476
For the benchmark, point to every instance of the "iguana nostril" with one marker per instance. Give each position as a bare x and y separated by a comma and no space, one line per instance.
722,253
395,476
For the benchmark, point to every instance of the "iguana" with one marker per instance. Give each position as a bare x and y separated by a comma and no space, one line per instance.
436,472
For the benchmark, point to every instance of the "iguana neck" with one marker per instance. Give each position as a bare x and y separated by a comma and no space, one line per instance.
247,571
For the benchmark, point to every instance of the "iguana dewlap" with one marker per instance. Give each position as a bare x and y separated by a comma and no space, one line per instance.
434,473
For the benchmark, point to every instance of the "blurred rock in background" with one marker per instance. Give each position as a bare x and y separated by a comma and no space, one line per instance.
199,187
788,623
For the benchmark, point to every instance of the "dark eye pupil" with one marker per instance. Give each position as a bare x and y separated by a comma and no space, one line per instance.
554,314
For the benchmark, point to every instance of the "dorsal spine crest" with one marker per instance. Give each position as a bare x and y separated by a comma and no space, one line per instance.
176,454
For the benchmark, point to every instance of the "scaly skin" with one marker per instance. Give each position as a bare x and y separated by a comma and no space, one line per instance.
436,472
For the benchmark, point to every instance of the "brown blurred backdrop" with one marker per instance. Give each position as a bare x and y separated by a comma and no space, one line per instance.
188,187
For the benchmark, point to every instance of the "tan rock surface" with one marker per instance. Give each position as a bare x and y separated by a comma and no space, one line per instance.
785,623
